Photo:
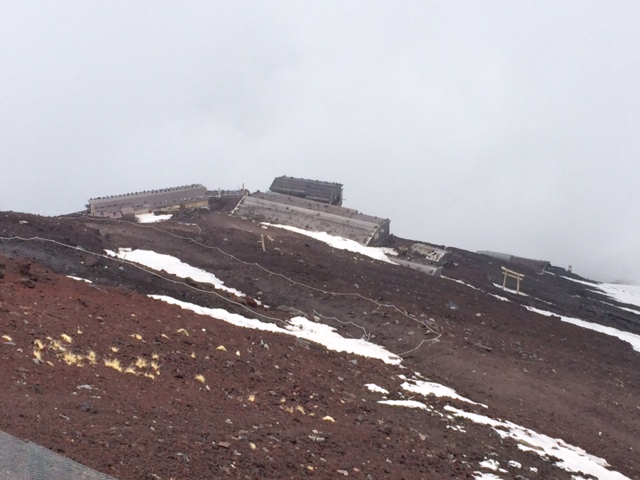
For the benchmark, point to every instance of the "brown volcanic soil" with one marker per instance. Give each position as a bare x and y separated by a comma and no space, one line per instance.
258,411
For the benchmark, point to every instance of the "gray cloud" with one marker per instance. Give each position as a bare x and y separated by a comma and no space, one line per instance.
491,125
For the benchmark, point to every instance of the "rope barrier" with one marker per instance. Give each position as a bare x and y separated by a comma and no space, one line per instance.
436,337
146,270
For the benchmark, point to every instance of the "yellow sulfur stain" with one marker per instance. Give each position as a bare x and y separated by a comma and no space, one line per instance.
251,398
182,331
37,354
7,338
328,419
300,408
66,338
222,348
155,366
115,349
200,378
131,370
38,344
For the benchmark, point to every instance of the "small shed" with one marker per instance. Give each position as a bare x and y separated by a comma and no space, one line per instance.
315,190
538,266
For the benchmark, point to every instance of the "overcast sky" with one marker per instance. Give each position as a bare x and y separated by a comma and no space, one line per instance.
485,125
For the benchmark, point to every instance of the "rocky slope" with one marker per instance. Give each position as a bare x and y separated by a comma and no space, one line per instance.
137,388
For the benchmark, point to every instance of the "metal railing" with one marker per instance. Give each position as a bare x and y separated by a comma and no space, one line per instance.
21,460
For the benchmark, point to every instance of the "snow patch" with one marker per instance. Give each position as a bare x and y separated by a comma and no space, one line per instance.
572,459
161,262
377,253
485,476
375,388
504,299
298,327
490,464
629,294
515,292
460,282
79,279
631,338
151,218
425,388
405,403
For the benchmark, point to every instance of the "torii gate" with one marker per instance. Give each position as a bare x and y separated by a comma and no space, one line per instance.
512,274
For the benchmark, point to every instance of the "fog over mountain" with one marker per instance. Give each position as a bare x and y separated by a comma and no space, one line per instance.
486,126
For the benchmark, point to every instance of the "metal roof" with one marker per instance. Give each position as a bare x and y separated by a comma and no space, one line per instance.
325,192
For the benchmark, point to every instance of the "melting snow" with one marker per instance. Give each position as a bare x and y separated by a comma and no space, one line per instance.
486,476
629,294
79,279
375,388
490,464
151,218
628,337
630,310
504,299
460,282
572,459
425,388
340,243
584,282
515,292
298,327
405,403
172,265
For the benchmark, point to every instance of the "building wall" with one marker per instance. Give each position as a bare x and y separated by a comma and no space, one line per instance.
350,226
535,265
430,254
500,256
146,201
325,192
317,207
433,270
